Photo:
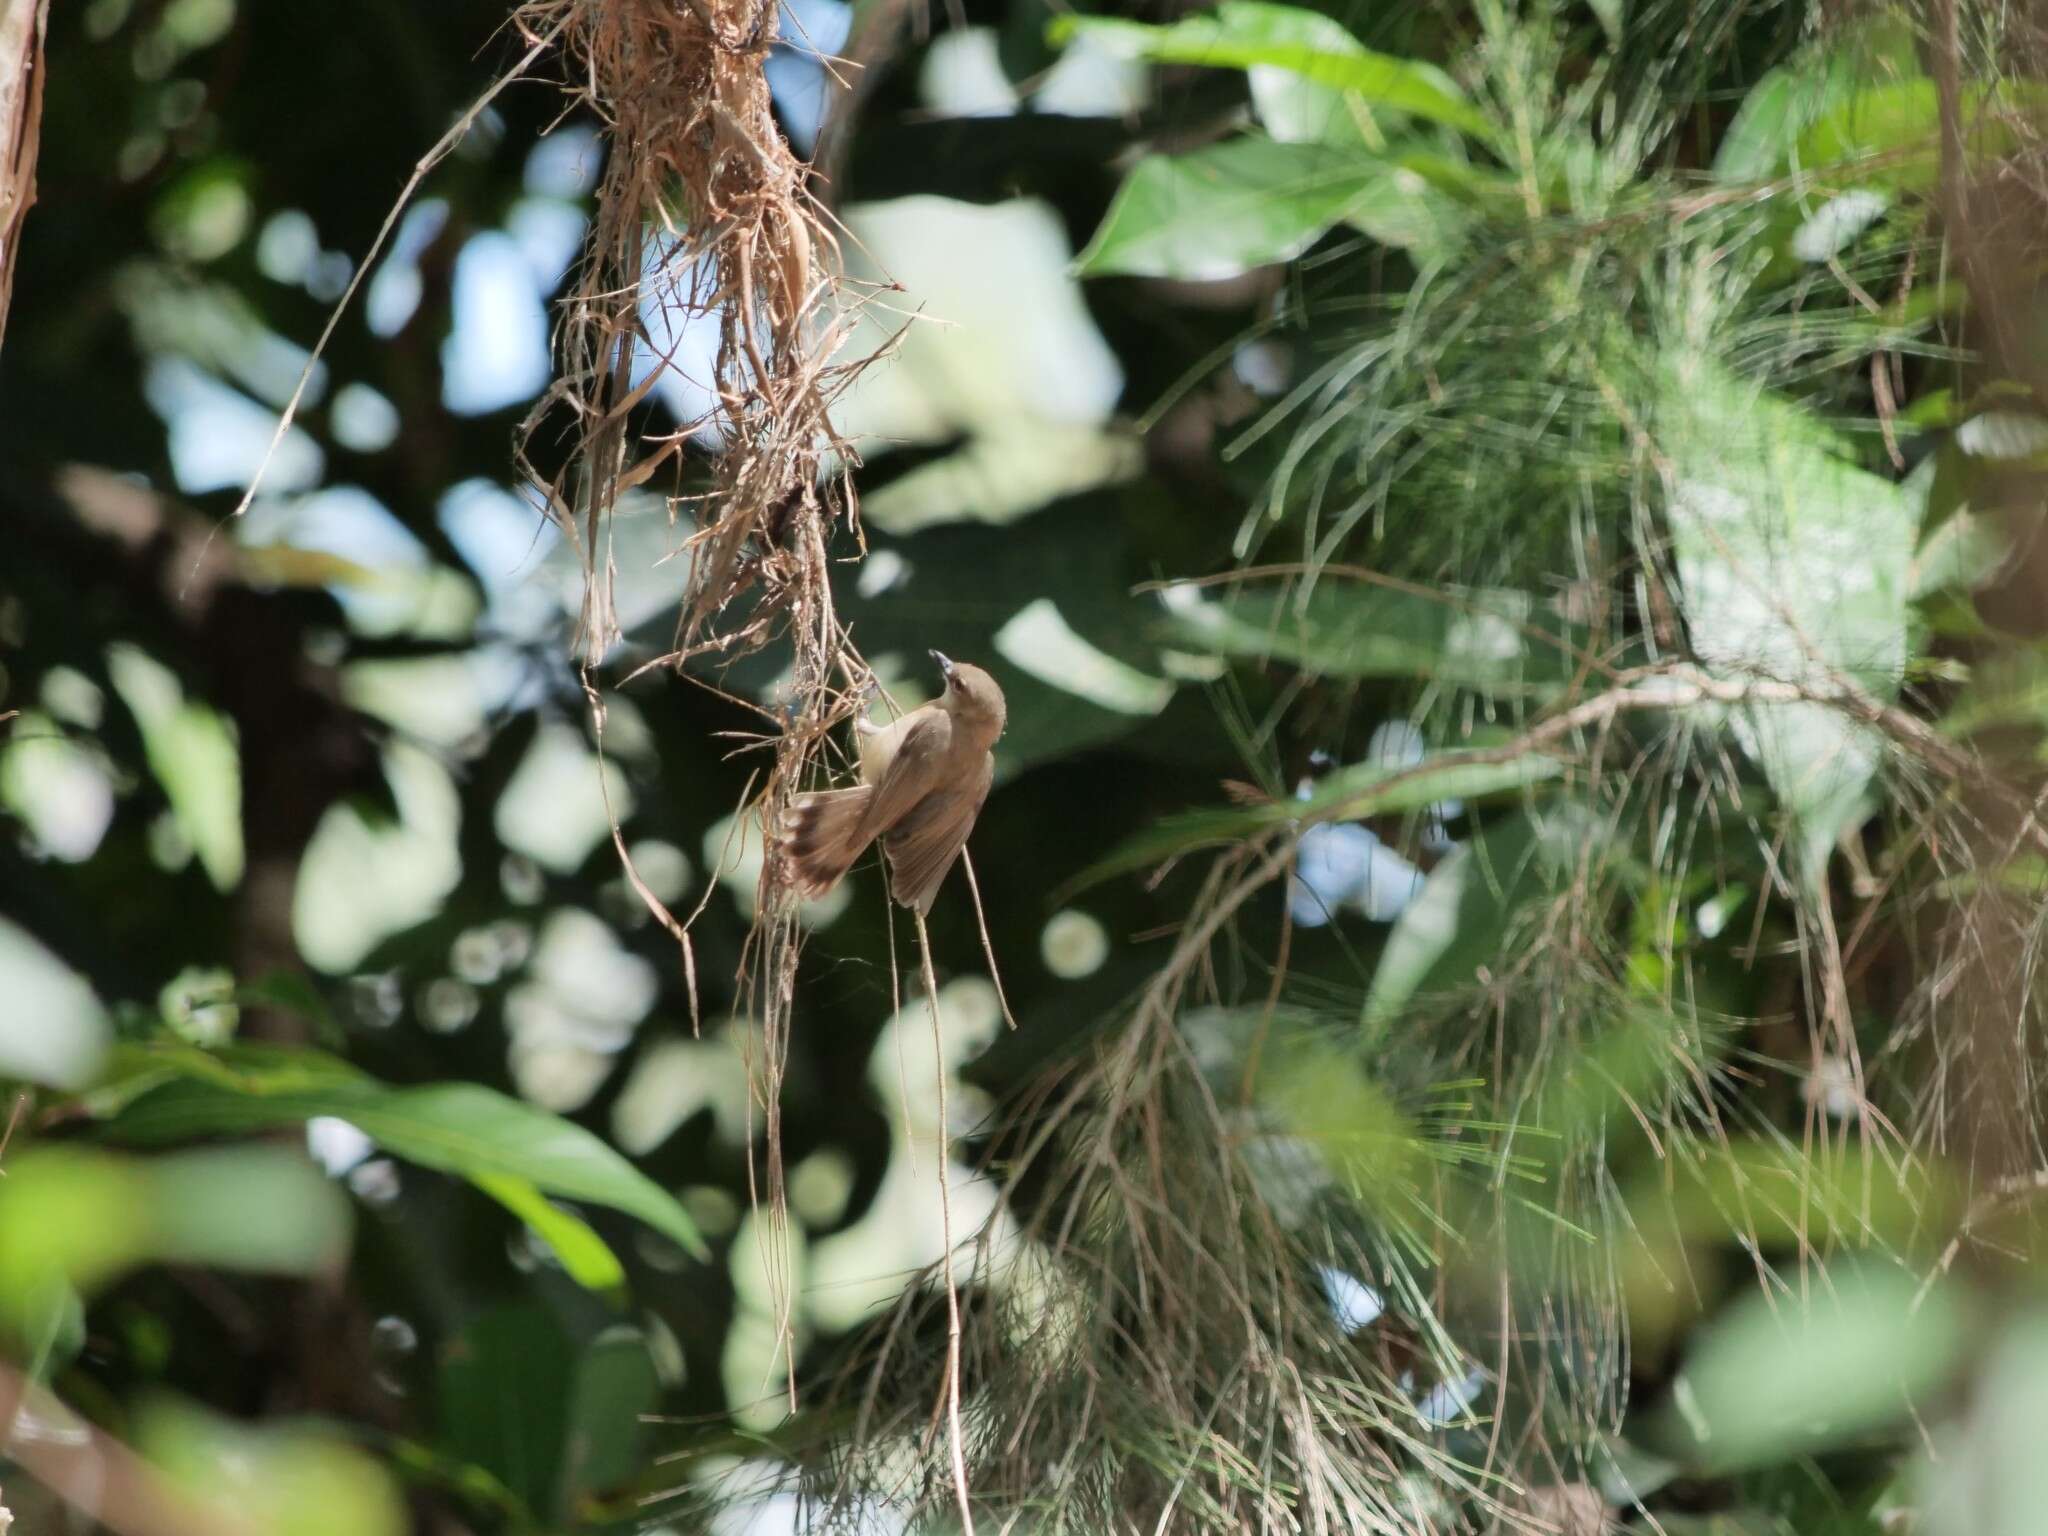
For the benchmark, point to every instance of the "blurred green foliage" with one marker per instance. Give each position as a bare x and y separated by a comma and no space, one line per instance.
1526,993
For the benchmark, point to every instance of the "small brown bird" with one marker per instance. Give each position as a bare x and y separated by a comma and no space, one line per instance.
923,780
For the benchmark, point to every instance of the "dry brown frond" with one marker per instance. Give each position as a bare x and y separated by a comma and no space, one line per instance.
704,220
703,216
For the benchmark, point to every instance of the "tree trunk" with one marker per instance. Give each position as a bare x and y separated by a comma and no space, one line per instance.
22,23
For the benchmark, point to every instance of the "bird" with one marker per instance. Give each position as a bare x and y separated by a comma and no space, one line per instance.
924,778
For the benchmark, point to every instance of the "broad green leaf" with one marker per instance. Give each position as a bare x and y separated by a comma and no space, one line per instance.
269,1479
1242,35
614,1387
1494,639
1294,108
1001,475
1379,789
503,1393
1770,1195
1174,836
1321,1094
1352,794
242,1066
1407,210
1763,137
2007,688
191,751
585,1257
1900,121
1960,555
1223,210
1889,135
1778,108
1472,906
1795,566
1635,1063
1627,1472
459,1128
1785,1374
56,1032
78,1218
1985,1475
1038,641
2019,437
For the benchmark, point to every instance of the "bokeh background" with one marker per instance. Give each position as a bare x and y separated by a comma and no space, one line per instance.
306,836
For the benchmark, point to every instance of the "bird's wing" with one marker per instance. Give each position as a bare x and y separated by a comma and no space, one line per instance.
879,744
912,773
922,847
818,836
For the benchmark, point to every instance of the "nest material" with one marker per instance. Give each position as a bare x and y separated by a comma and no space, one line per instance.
705,219
704,216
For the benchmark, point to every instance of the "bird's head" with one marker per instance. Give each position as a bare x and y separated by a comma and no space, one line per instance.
972,697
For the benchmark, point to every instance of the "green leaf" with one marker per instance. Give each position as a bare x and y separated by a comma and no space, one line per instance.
2017,438
503,1396
459,1128
1783,1375
1901,121
1769,1195
1935,408
2007,688
1324,1096
1961,555
1634,1064
1294,108
1242,35
1890,135
1794,566
1778,108
279,1479
1226,209
1471,905
1495,639
1764,136
614,1388
1174,836
1984,1475
1408,208
1352,794
585,1256
78,1218
191,750
1379,789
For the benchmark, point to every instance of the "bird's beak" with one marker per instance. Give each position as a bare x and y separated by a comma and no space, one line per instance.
945,666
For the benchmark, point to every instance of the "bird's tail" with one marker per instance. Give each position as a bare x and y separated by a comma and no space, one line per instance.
821,837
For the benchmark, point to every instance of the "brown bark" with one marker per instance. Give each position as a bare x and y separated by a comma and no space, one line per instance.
22,24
